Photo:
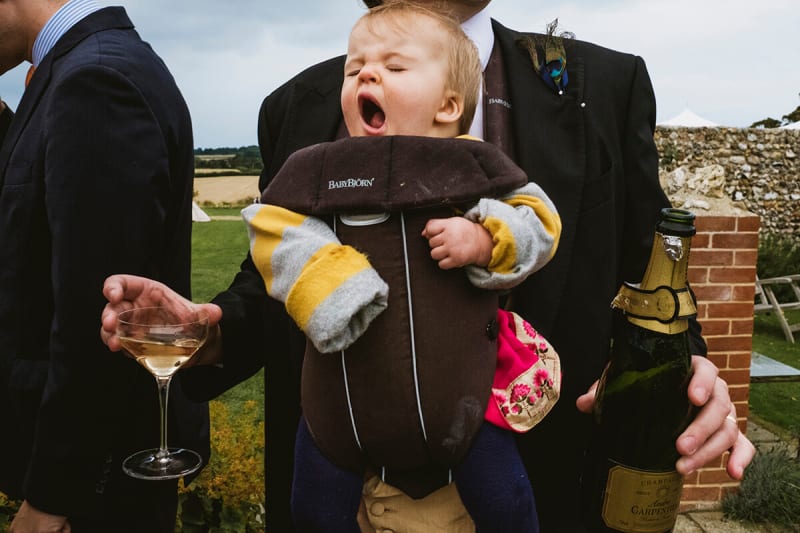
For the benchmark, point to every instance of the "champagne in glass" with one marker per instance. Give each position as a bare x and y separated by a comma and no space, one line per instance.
162,340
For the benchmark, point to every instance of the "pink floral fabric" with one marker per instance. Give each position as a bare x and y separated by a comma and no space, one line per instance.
527,382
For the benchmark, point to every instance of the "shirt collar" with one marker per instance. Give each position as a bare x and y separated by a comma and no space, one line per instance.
479,30
66,17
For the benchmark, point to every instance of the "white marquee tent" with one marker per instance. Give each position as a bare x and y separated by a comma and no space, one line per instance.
688,119
792,126
198,215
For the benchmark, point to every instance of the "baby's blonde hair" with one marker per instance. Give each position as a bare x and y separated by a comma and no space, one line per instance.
465,75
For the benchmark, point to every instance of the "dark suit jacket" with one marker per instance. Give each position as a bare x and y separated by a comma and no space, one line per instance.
97,172
592,151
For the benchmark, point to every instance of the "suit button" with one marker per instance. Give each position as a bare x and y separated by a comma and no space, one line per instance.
492,329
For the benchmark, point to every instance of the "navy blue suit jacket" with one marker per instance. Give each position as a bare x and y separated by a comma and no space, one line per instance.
96,175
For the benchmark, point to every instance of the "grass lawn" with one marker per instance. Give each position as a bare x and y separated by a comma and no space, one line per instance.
218,248
776,404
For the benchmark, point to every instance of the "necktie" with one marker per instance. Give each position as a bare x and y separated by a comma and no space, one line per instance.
29,75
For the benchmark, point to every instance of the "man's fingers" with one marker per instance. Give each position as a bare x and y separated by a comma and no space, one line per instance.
742,453
585,402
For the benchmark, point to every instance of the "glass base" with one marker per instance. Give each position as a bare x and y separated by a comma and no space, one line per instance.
147,464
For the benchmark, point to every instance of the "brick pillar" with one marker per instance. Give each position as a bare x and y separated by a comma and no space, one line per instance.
722,271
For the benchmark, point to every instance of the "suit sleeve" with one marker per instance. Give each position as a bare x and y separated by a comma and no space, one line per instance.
643,190
254,326
108,198
5,121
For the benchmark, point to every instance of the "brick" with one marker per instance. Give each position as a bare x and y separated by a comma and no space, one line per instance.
718,293
715,223
731,310
720,360
735,377
739,360
701,493
737,241
701,241
716,476
691,479
711,258
739,393
729,344
742,327
743,293
697,275
748,223
745,257
732,275
716,327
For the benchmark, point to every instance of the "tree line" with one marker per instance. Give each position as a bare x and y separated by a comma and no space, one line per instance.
770,122
244,159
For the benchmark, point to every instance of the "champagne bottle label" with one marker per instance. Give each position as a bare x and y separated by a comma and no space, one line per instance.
638,501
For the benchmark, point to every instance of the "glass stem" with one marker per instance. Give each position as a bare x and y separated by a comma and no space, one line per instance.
163,396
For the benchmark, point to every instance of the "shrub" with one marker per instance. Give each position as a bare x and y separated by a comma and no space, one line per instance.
778,255
8,509
769,492
228,495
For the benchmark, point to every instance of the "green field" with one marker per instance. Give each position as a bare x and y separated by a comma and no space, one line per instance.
218,248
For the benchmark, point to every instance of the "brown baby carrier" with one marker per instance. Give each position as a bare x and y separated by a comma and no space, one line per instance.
411,392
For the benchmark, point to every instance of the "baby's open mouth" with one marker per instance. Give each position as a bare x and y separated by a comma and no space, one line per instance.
371,112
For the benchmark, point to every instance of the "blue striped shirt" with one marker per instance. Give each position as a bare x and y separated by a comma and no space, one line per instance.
66,17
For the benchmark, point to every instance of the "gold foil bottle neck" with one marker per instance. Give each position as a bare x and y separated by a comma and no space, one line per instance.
662,301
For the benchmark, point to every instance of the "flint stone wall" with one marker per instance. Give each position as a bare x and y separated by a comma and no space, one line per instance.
724,171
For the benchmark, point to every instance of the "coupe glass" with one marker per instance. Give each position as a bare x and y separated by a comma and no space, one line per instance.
162,340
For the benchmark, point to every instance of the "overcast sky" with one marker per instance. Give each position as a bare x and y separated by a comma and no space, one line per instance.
731,61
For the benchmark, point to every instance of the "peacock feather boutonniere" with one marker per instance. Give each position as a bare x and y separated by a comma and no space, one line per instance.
549,56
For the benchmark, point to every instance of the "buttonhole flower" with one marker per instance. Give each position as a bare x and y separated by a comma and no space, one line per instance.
549,56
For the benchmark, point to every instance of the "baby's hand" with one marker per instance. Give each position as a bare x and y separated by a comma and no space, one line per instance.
456,242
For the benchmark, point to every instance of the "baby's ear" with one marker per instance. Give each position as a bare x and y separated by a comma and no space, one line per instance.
451,109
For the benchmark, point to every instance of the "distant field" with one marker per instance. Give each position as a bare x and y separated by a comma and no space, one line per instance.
226,190
206,171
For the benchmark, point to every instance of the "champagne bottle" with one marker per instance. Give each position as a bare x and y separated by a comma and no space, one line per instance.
629,480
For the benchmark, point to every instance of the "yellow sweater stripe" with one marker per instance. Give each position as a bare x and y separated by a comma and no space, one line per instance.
549,218
327,270
504,251
269,224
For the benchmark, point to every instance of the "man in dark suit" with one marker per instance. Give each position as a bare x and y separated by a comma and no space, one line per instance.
588,140
96,173
590,145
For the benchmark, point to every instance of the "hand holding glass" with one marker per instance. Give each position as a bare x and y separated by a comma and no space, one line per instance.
162,340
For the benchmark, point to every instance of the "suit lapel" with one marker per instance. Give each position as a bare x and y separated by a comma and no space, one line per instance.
318,115
27,105
550,145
